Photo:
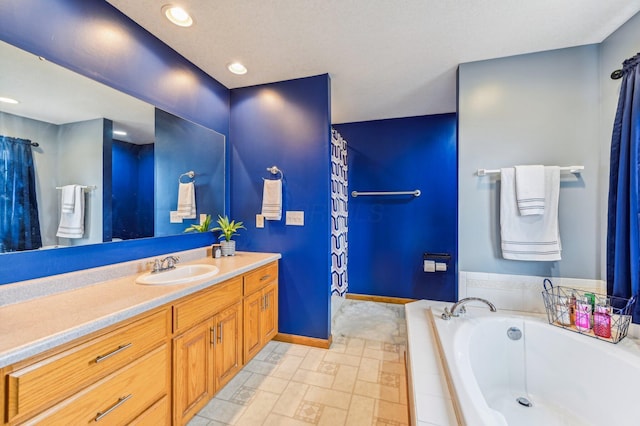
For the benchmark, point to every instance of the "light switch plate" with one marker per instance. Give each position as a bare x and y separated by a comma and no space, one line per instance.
295,218
174,218
259,221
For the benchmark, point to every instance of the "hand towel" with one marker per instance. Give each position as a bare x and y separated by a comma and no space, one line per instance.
272,199
72,223
68,198
187,200
530,190
534,237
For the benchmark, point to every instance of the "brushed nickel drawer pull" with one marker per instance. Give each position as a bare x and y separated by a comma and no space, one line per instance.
220,332
266,298
121,348
265,277
121,401
213,336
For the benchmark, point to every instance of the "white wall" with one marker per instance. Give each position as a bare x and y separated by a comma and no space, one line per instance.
622,44
541,108
80,162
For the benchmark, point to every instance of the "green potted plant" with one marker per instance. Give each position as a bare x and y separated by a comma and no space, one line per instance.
200,227
227,230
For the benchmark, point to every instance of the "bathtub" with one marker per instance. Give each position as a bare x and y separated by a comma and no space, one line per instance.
568,379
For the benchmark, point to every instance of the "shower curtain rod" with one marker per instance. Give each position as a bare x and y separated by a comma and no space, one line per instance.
33,144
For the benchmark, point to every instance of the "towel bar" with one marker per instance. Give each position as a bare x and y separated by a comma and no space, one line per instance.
567,169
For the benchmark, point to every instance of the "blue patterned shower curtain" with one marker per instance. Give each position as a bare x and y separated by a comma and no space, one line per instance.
623,239
339,214
19,224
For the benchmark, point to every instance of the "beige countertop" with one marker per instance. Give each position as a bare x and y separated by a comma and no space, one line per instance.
33,326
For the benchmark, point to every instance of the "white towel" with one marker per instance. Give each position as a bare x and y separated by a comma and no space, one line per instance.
72,223
272,199
187,200
530,190
68,198
535,237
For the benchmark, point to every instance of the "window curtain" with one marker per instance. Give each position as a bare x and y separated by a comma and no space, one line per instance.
19,224
623,246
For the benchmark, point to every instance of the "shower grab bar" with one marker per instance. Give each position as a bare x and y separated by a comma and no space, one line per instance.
415,193
567,169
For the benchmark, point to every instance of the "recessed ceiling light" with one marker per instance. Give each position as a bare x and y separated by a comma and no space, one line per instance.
177,15
120,133
8,100
237,68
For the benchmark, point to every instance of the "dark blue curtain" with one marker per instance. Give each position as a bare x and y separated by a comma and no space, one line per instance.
623,245
19,224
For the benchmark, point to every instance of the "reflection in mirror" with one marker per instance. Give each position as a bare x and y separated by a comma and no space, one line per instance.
78,125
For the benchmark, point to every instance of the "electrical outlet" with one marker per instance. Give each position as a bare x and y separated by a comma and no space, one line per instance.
259,221
174,217
295,218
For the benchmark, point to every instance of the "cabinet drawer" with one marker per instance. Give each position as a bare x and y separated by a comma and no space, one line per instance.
206,303
156,415
39,385
259,278
116,399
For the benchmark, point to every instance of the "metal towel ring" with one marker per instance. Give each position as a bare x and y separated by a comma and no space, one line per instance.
190,174
275,170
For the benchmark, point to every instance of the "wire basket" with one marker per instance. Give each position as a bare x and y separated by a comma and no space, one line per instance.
569,308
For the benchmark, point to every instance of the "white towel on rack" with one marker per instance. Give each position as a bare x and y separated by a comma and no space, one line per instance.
272,199
535,237
187,200
530,190
68,198
72,223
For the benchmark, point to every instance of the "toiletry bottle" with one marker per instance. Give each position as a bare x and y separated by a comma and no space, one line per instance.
602,319
572,309
583,314
562,311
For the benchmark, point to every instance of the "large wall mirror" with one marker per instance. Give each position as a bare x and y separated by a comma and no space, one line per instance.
127,156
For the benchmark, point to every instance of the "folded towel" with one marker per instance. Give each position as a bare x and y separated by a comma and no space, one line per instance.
272,199
187,200
535,237
68,198
72,223
530,189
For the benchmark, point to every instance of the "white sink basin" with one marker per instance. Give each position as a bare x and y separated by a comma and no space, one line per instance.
179,275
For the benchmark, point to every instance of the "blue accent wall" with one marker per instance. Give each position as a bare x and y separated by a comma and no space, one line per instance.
93,38
287,124
389,234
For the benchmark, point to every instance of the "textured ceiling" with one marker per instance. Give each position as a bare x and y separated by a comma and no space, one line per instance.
386,58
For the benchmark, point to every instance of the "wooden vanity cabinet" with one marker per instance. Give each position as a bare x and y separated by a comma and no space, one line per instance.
105,375
208,353
260,309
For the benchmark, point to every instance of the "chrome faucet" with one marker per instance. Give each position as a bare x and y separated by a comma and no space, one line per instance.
161,265
458,307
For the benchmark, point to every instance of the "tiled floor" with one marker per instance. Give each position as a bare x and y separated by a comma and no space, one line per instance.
360,380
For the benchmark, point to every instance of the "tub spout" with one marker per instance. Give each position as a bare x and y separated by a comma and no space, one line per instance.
458,307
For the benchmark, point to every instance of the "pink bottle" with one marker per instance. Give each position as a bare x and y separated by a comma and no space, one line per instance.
602,321
583,315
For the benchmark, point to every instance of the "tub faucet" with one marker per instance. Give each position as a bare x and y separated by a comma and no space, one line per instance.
458,307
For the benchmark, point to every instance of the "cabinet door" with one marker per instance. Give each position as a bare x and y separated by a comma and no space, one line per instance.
193,371
269,320
253,306
228,355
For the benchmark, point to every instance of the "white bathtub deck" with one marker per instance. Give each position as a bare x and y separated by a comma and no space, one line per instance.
429,395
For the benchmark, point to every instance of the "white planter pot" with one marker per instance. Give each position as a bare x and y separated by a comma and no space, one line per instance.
228,248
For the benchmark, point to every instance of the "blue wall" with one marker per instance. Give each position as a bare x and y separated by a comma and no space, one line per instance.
287,124
389,234
94,39
182,146
132,190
